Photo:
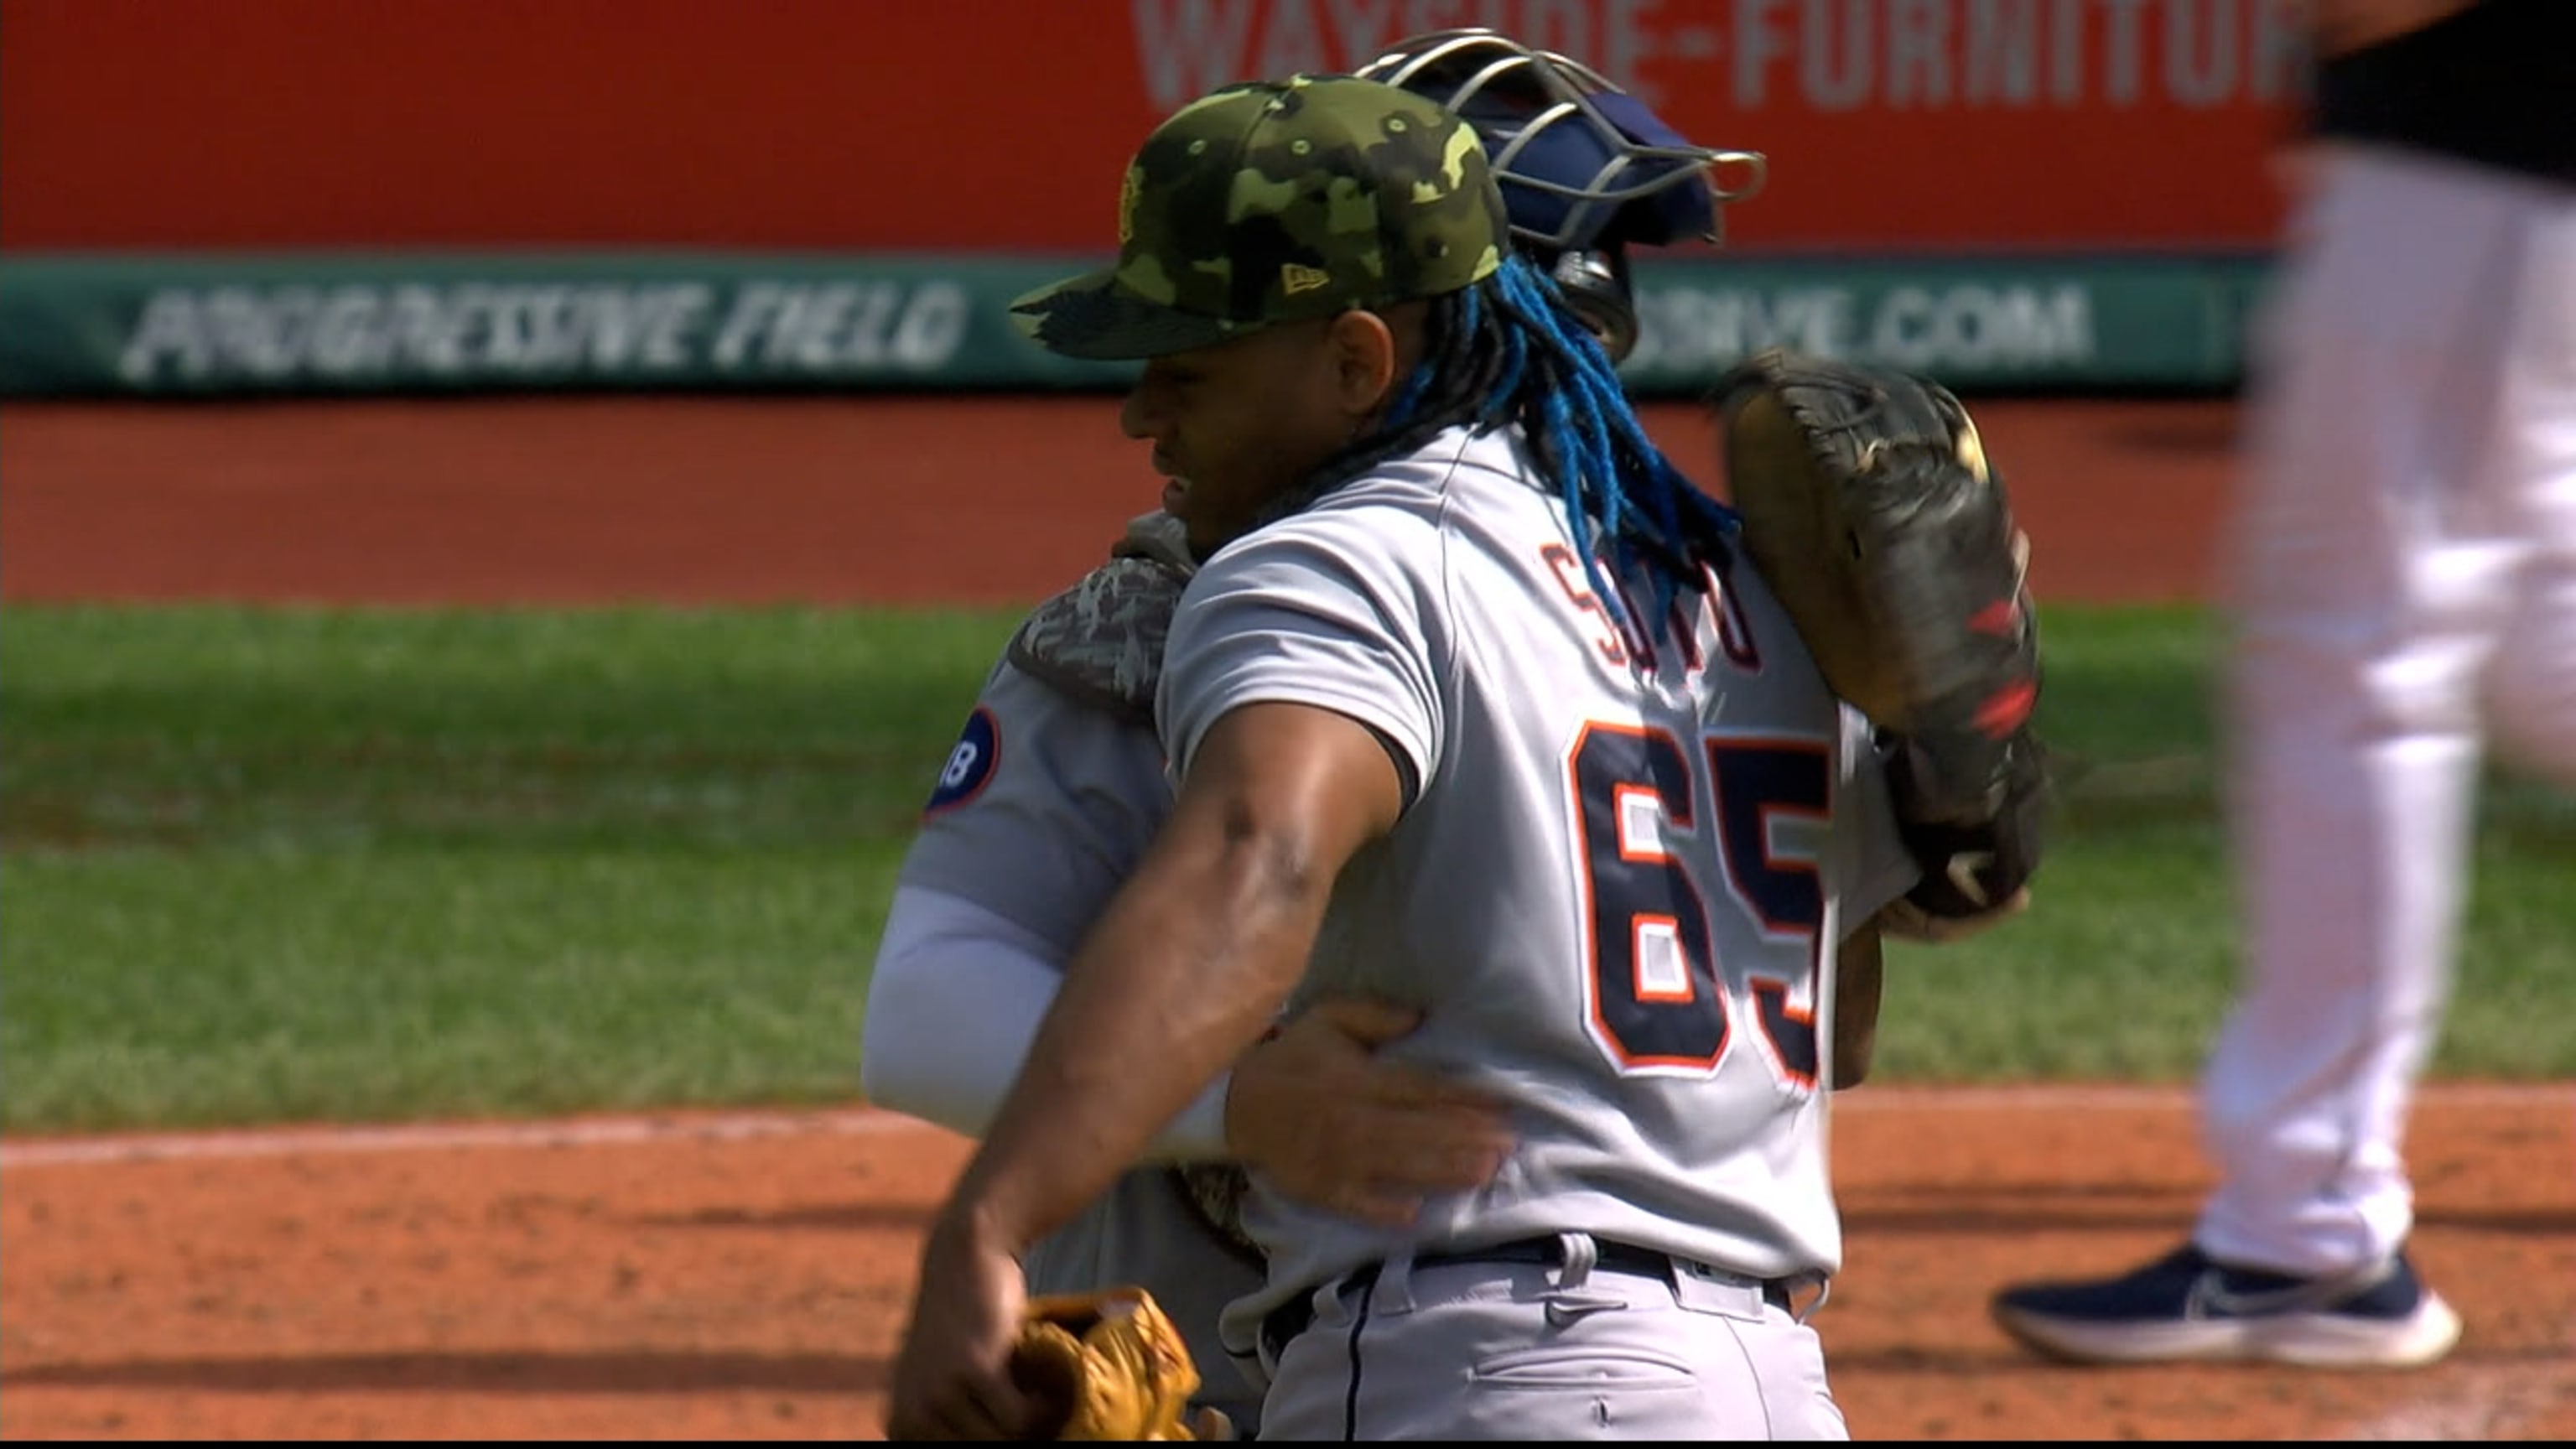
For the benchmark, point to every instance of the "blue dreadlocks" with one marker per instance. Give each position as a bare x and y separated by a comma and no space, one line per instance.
1510,350
1607,469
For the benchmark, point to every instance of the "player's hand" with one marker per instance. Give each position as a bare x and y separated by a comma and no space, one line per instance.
952,1379
1316,1112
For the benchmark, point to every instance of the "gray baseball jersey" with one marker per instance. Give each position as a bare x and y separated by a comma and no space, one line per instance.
1041,812
1617,889
1043,808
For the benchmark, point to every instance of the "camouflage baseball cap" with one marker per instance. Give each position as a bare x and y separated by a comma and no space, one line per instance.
1271,201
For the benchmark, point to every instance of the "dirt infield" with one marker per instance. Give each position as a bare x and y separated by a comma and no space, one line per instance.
732,1277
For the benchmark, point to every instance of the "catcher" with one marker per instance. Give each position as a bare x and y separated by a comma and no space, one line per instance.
1072,789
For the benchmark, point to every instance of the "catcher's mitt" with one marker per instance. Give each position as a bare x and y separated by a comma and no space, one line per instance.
1870,510
1109,1365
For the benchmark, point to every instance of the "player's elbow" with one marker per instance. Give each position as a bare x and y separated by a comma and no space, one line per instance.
1243,888
1263,869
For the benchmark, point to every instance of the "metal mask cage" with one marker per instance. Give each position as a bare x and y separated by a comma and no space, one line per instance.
1516,96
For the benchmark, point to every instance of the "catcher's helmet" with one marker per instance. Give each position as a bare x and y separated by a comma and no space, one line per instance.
1584,167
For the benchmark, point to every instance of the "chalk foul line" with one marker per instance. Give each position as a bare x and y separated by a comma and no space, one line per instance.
869,1122
447,1137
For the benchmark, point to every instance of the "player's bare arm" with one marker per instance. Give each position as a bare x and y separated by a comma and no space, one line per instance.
1196,955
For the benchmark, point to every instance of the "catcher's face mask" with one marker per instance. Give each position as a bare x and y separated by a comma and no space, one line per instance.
1579,160
1585,168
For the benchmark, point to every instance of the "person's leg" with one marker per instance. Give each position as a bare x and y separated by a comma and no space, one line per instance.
2388,542
2373,574
2531,689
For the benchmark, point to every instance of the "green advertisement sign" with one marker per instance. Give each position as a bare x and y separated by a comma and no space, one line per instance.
192,326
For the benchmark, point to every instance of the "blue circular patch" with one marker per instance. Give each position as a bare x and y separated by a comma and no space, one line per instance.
970,764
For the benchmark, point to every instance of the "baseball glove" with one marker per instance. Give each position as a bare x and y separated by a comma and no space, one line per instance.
1870,510
1109,1365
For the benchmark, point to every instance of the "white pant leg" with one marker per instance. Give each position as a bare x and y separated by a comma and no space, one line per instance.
2531,689
2381,550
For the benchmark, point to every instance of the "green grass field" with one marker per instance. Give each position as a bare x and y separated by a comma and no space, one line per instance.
267,865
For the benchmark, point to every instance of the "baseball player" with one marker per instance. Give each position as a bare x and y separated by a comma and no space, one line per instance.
1476,714
1057,785
2404,557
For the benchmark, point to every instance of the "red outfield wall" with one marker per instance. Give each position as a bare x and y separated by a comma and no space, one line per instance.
1982,125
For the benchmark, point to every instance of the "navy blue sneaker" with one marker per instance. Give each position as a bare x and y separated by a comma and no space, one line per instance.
2186,1307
